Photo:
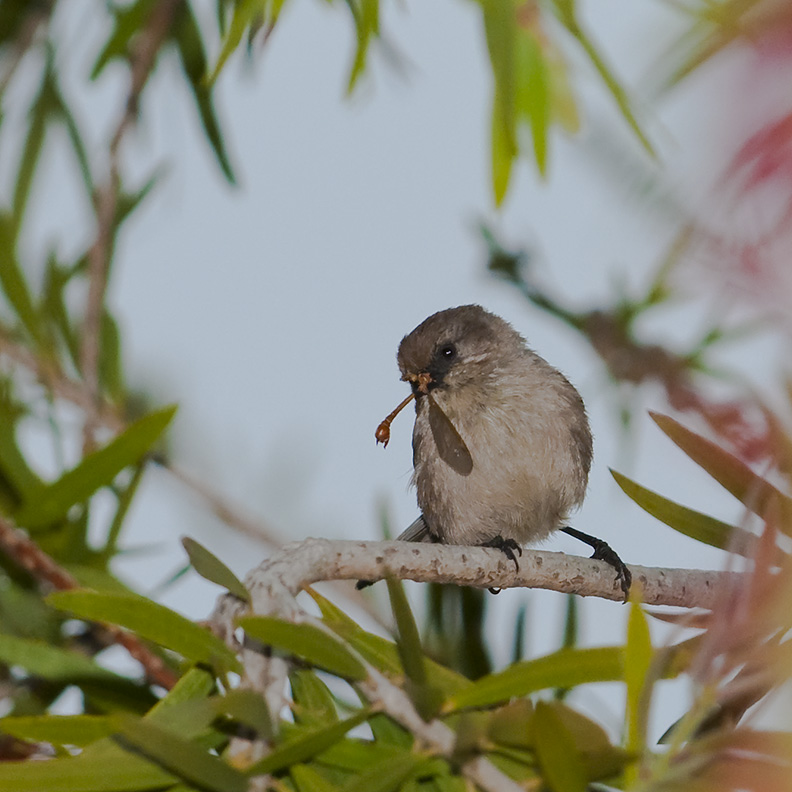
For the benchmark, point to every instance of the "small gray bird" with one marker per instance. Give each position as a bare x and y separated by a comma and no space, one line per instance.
501,444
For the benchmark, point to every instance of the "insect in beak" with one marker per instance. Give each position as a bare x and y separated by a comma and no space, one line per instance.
382,434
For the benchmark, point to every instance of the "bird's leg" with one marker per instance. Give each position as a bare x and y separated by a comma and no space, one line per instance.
604,552
507,547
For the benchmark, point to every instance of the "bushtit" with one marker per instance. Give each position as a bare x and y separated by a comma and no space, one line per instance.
501,444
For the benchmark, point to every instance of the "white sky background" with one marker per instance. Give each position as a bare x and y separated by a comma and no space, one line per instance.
271,313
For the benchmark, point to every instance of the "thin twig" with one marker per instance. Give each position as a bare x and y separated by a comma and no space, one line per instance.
142,60
27,555
23,41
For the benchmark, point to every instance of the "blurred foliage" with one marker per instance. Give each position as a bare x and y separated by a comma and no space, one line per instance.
171,726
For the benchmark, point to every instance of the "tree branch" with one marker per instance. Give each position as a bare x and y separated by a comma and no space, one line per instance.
27,555
275,583
300,564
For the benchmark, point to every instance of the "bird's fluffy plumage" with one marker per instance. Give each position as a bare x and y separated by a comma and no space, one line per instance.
523,423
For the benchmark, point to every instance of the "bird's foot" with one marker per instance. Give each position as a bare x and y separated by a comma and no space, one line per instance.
508,548
604,552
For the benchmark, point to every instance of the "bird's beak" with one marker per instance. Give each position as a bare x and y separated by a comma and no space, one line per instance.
423,379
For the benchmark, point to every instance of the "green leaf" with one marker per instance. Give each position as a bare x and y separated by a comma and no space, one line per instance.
21,480
380,652
125,497
213,569
386,730
13,281
193,59
58,729
307,642
129,21
409,644
366,16
637,660
306,779
567,14
306,745
248,707
41,111
504,152
151,621
427,698
53,307
500,29
729,471
556,751
564,668
696,525
50,662
599,757
353,755
107,773
183,758
314,704
50,503
387,776
110,368
196,685
512,725
245,13
533,93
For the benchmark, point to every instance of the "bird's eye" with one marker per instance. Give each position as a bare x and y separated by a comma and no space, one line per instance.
448,352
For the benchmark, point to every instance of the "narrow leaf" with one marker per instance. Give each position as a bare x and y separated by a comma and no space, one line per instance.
307,642
106,773
696,525
193,59
569,19
637,660
50,662
129,21
314,703
409,644
151,621
387,776
307,745
533,94
185,759
307,779
50,502
248,707
13,465
729,471
556,751
366,16
245,12
213,569
381,652
504,152
13,281
78,730
562,669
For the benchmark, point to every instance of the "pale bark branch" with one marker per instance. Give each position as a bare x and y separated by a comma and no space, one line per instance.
275,583
300,564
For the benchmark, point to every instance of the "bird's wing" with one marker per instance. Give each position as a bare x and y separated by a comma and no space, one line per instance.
417,531
450,445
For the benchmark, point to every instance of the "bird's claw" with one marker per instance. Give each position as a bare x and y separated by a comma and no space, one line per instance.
508,547
604,552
